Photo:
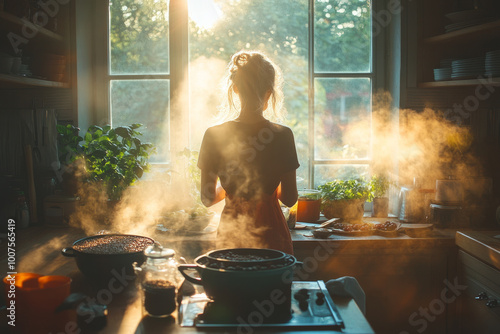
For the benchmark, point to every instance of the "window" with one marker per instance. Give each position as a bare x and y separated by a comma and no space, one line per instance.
166,60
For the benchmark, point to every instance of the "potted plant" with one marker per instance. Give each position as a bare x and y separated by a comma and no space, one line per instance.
70,154
344,198
379,185
114,158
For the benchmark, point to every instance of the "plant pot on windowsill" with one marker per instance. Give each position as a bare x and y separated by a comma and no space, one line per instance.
348,209
380,207
344,198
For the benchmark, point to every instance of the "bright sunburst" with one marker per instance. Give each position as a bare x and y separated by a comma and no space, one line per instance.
204,13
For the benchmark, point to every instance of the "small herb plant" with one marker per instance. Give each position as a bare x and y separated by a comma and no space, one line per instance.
114,156
344,190
379,184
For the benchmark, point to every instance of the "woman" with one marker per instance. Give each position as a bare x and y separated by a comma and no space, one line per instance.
254,159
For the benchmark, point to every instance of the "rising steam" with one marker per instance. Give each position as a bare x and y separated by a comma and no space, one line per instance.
422,145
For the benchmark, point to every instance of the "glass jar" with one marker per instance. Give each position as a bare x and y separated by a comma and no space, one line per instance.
309,205
159,281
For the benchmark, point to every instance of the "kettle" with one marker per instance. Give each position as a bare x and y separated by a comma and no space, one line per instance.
413,204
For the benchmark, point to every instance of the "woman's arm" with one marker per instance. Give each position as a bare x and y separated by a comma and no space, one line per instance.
287,191
211,193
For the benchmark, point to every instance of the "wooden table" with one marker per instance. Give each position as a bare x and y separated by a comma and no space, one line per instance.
38,250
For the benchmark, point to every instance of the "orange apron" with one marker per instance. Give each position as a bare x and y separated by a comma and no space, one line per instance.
254,224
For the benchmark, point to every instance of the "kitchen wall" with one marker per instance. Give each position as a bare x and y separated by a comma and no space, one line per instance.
477,118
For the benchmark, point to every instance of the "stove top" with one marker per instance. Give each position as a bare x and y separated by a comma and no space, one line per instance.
311,307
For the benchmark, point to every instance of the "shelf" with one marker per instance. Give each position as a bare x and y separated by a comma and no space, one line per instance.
26,81
479,31
457,83
9,20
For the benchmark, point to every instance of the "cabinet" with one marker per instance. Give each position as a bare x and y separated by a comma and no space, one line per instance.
439,42
479,306
43,54
403,279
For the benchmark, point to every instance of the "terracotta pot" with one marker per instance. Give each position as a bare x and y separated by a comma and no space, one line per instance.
347,209
380,207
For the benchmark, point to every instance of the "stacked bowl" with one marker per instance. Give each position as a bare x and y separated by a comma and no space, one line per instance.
492,63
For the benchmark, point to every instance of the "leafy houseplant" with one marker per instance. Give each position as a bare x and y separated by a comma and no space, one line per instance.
68,143
344,198
114,157
379,185
70,153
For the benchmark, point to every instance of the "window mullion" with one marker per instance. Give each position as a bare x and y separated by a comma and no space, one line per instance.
311,95
179,94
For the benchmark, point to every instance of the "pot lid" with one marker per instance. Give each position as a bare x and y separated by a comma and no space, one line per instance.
157,251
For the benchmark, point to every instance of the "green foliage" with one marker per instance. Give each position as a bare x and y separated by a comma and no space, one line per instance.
189,164
379,184
114,156
68,143
345,189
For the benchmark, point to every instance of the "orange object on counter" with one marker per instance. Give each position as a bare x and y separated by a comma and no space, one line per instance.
309,205
33,299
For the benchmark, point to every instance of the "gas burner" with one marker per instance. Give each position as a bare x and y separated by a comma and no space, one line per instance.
310,306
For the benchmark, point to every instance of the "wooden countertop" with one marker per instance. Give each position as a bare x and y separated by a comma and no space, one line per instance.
484,245
38,249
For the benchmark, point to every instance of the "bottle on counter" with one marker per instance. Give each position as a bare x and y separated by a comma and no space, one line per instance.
159,281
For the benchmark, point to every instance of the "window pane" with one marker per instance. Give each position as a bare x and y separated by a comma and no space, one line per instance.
327,173
342,36
139,36
146,102
342,118
217,31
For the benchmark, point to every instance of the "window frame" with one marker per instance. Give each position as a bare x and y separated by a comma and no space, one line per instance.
179,62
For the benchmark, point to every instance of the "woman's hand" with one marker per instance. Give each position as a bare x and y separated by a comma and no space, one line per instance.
211,192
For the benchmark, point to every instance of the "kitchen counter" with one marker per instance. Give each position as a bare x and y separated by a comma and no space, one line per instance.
38,249
484,245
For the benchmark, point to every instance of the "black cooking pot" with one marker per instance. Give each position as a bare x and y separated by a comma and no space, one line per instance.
101,269
244,282
246,256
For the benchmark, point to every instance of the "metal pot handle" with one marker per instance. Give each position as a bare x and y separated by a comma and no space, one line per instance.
183,267
68,252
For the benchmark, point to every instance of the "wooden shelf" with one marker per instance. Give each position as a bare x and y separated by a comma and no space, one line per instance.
480,31
10,20
457,83
26,81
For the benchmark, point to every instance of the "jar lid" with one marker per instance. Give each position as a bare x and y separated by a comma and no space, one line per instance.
157,251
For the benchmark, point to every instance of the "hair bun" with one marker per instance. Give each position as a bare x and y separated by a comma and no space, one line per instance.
241,59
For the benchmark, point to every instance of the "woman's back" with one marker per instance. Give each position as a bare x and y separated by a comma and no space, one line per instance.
249,158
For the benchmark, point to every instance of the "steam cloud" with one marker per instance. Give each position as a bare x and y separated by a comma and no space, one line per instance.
422,145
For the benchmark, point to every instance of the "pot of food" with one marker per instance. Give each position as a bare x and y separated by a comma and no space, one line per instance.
244,277
102,257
